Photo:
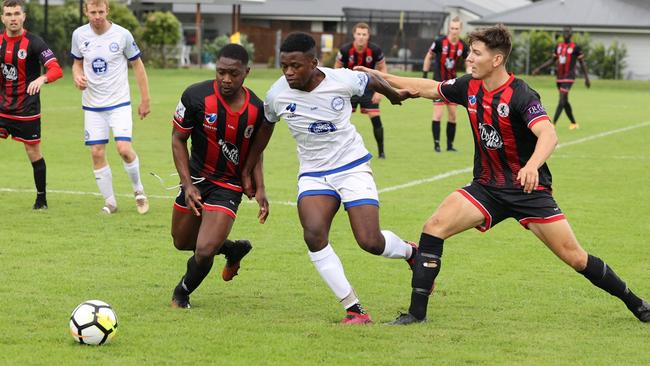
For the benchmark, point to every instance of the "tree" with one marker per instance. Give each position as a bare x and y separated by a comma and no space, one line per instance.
213,47
161,29
122,15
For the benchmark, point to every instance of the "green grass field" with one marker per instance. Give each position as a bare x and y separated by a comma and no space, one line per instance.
502,298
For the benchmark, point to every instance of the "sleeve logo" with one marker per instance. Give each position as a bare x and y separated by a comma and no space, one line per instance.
180,111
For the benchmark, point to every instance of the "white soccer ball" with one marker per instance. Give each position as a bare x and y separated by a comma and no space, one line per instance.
93,322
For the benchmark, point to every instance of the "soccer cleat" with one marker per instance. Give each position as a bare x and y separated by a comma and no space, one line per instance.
574,126
141,202
643,312
451,149
352,318
181,303
411,261
436,147
382,155
239,249
109,209
406,319
40,205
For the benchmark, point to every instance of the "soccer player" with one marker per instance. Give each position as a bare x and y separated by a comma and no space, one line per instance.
101,50
513,137
222,117
446,51
565,55
365,53
20,86
334,163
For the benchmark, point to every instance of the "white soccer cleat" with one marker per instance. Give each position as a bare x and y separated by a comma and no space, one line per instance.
141,202
109,209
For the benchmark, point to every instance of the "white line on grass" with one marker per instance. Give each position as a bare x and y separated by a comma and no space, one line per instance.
441,176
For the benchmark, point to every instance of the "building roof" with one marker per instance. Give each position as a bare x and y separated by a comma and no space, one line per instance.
620,14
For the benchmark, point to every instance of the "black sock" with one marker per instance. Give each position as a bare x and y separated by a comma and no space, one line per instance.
39,179
558,111
193,277
378,131
451,133
427,267
569,112
602,276
435,129
356,308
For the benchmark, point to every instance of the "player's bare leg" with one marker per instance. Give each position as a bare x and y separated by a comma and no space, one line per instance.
132,167
451,126
559,237
103,177
185,230
435,124
454,215
38,165
316,214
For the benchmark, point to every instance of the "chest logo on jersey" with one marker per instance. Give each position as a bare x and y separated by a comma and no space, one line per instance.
338,103
368,59
114,47
9,71
230,151
445,49
321,127
503,110
100,66
459,52
569,50
490,137
22,54
471,99
211,118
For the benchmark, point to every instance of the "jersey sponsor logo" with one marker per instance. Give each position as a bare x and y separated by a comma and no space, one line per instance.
180,111
490,137
338,103
211,118
368,59
114,47
471,99
291,107
230,151
503,110
248,132
99,65
10,72
22,54
321,127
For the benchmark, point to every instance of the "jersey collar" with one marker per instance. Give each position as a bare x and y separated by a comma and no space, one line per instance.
227,106
14,39
500,88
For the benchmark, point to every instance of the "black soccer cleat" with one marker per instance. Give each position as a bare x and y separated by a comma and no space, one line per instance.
40,205
382,155
235,254
406,319
643,312
181,303
436,147
451,149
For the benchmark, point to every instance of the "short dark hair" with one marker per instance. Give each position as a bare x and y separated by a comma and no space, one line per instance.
299,42
234,51
12,3
497,38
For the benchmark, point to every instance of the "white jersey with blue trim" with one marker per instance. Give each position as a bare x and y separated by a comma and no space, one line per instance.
319,120
105,66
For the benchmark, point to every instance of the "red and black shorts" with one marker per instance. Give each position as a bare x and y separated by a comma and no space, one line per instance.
564,87
367,106
213,198
28,132
498,204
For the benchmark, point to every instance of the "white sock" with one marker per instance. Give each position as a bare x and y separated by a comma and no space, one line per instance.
104,179
330,268
133,170
395,247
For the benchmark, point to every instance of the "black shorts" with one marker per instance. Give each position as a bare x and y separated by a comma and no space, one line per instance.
214,198
365,101
564,87
28,132
498,204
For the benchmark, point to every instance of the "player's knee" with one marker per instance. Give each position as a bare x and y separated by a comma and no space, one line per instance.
371,243
435,226
181,243
315,239
126,152
207,250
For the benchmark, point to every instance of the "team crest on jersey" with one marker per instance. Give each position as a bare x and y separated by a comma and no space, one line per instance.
338,103
230,151
471,99
450,82
490,137
114,47
100,66
9,71
569,50
503,110
22,54
248,132
322,127
368,59
459,52
445,49
211,118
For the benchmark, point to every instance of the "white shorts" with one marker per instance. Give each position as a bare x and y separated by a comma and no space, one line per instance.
353,187
97,124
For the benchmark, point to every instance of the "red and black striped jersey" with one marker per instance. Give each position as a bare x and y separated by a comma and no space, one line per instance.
221,137
21,61
368,57
501,122
566,55
447,57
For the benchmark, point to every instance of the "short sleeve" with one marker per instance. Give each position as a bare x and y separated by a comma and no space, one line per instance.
578,52
465,50
269,110
74,47
357,81
529,105
131,49
455,90
184,116
379,55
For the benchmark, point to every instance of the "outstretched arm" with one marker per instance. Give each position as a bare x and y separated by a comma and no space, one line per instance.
424,88
543,66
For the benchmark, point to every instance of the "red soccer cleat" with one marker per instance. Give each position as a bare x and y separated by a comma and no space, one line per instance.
411,261
356,318
237,252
